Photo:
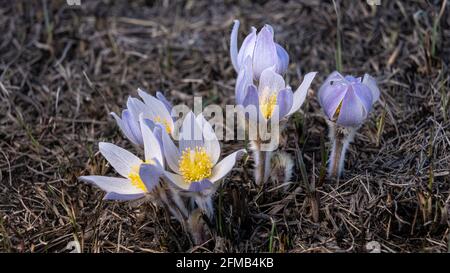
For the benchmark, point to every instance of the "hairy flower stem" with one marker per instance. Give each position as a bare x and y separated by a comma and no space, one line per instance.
172,202
262,162
341,138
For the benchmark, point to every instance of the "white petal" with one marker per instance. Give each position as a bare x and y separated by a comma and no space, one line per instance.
151,144
233,45
372,84
247,48
211,143
121,159
177,180
156,109
270,81
301,92
224,167
191,135
171,152
112,184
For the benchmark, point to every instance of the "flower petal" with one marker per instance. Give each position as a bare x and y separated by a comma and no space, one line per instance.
301,92
265,53
160,96
171,152
270,81
352,112
283,59
245,78
190,133
156,109
150,175
331,94
234,46
200,186
122,197
372,84
224,167
111,184
121,159
284,101
211,143
125,127
365,96
177,180
151,144
251,105
247,48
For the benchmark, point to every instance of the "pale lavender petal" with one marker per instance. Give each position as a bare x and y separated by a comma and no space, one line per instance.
334,76
177,180
125,127
122,160
150,175
200,185
171,152
331,95
234,45
245,78
247,48
157,131
270,81
224,167
163,99
352,111
122,197
265,54
364,94
283,59
155,109
251,104
111,184
136,107
284,101
211,143
301,92
372,84
151,144
252,97
191,133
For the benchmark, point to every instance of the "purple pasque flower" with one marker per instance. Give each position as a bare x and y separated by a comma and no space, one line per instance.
139,177
194,164
271,93
261,48
348,100
155,111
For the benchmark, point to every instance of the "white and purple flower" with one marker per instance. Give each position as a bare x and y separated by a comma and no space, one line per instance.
195,163
137,180
272,92
155,111
348,100
260,48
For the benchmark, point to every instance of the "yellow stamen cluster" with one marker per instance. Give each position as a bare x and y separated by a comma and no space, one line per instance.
135,178
267,104
164,122
338,110
195,165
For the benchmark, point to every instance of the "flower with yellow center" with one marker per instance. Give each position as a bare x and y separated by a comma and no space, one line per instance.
139,177
195,164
